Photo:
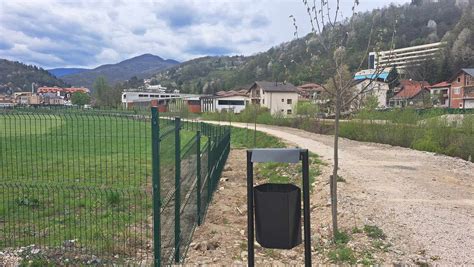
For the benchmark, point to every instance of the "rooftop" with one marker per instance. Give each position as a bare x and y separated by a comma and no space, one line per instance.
410,89
275,86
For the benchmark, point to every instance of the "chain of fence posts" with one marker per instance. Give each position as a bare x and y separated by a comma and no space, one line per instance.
198,164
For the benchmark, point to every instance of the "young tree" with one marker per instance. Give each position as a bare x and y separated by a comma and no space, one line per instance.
332,37
104,95
101,90
81,99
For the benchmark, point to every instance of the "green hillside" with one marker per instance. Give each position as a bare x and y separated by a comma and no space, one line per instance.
16,76
300,61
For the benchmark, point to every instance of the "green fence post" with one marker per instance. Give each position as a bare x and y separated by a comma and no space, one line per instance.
155,133
177,185
209,168
198,172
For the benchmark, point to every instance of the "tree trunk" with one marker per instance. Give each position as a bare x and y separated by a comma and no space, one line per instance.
333,182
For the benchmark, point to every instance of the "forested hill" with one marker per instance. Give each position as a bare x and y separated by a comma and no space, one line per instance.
417,23
142,66
16,76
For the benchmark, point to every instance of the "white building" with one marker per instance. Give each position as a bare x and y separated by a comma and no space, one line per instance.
234,101
141,96
403,57
376,88
279,98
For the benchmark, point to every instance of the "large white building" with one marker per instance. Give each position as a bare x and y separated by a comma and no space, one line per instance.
234,101
403,57
133,97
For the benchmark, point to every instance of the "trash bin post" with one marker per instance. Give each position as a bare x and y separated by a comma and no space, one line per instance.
277,155
307,233
250,226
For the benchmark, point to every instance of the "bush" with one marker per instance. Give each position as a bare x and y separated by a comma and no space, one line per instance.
342,254
374,232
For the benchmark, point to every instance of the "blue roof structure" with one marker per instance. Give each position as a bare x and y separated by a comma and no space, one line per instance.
372,76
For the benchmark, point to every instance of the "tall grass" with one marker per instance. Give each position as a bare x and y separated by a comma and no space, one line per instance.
428,130
426,133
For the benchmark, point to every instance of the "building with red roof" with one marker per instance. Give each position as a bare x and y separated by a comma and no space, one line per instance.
462,89
411,93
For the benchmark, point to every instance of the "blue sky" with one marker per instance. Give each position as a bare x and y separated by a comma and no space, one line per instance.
88,33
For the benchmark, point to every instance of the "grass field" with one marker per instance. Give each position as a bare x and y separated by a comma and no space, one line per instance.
72,177
87,178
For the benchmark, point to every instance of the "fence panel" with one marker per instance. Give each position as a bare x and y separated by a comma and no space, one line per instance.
75,184
85,184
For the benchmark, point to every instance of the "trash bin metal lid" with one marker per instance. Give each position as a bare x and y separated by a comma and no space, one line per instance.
287,155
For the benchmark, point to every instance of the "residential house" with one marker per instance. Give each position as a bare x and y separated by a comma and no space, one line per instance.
279,98
440,94
312,91
461,93
411,93
6,101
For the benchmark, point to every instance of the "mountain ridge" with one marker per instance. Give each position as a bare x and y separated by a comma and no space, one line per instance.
142,66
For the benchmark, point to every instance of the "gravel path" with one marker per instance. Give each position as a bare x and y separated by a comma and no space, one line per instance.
424,202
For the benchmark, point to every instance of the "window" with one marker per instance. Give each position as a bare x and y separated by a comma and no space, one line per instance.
289,101
231,102
288,112
468,79
460,105
459,79
456,91
263,101
124,96
282,100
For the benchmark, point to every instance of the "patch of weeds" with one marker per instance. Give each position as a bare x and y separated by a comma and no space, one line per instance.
342,254
270,253
340,179
356,230
36,263
367,259
243,246
29,202
341,238
226,221
374,232
113,198
379,244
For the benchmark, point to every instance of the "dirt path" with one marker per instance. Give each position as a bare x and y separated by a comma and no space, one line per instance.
423,202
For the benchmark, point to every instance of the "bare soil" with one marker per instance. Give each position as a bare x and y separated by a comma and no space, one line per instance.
423,202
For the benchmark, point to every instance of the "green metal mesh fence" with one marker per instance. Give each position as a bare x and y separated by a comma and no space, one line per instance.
74,182
115,185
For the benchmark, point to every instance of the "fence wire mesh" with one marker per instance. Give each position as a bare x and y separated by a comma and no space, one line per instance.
79,185
75,183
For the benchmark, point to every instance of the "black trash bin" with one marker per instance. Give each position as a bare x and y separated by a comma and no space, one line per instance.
278,215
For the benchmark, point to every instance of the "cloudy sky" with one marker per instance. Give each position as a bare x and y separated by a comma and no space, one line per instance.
88,33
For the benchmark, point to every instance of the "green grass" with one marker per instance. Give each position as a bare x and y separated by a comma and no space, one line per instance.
68,176
342,255
341,238
244,138
374,232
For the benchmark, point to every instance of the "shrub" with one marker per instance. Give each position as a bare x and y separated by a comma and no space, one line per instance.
374,232
342,254
341,238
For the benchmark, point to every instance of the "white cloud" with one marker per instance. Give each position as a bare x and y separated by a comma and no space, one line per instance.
87,33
